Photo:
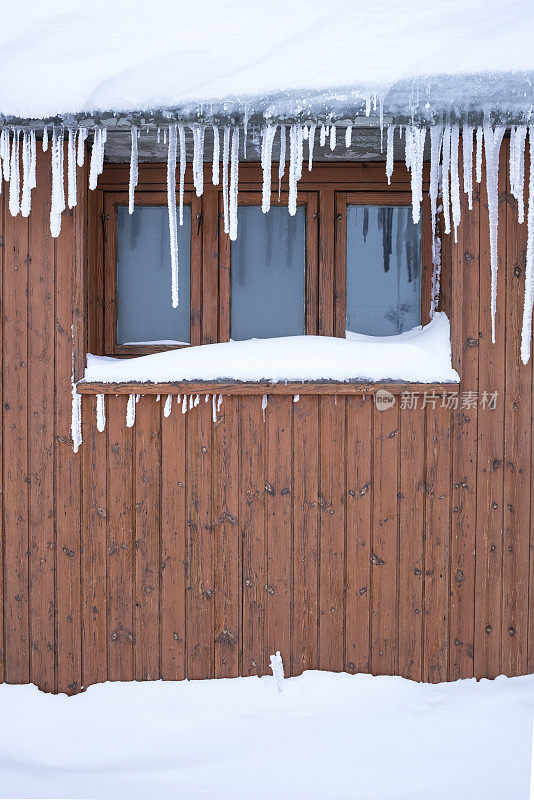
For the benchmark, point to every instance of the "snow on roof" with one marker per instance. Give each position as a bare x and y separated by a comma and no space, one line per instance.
69,57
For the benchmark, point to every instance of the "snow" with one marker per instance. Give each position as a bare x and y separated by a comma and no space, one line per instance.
65,56
324,736
422,355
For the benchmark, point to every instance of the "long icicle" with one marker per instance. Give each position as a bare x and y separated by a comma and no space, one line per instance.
215,165
492,146
436,137
478,157
134,170
455,180
293,145
100,412
234,182
4,144
226,156
467,153
171,204
389,152
183,160
311,143
418,136
14,185
445,177
282,161
82,138
526,331
517,169
71,169
25,203
58,193
269,132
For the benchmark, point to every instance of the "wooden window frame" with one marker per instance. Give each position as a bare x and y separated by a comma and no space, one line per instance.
326,191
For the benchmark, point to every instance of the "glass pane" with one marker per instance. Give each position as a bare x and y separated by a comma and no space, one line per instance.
383,270
268,267
144,310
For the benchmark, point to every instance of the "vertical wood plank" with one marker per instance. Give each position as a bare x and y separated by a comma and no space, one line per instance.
173,540
2,487
411,545
305,533
120,543
200,587
68,464
437,535
226,539
332,533
465,279
489,540
41,442
224,278
210,264
358,545
384,547
15,438
326,262
252,526
147,539
517,456
94,542
278,525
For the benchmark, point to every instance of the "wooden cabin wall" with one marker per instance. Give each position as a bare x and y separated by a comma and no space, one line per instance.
392,542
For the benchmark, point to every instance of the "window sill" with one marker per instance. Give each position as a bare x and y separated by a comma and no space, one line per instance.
263,387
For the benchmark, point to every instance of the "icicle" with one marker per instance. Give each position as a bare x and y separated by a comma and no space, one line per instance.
178,399
526,331
158,398
268,133
300,151
25,203
215,167
389,152
137,397
322,136
100,412
58,191
436,135
517,168
197,400
234,178
367,106
219,403
492,146
332,137
296,398
311,142
171,203
190,402
264,405
348,136
198,158
479,139
214,408
45,138
14,186
158,135
82,137
33,160
76,420
282,162
183,160
418,137
226,153
164,135
134,172
168,405
184,404
455,180
445,172
94,168
381,126
408,157
71,169
294,168
130,411
467,152
4,145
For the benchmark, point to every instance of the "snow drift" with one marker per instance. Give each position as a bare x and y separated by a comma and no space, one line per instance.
422,355
324,736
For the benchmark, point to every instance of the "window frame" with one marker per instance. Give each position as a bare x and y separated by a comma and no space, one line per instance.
326,191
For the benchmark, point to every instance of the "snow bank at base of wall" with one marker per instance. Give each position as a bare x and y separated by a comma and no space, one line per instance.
323,736
422,355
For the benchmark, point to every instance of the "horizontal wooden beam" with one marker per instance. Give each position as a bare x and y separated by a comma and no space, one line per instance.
262,387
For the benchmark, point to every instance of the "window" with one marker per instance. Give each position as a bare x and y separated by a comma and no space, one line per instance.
383,256
145,315
268,262
351,259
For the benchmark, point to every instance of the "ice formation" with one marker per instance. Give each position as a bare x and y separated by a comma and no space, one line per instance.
100,412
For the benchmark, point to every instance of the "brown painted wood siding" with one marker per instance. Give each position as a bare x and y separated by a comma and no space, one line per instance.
394,542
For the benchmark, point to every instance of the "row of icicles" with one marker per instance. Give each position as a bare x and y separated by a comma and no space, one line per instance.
184,402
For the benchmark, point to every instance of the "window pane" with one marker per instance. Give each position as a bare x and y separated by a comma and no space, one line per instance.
144,310
383,270
268,267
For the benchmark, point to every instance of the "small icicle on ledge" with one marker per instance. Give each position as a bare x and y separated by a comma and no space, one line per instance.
296,145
